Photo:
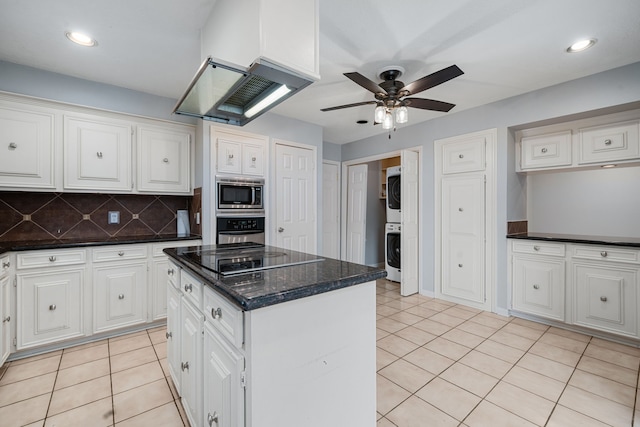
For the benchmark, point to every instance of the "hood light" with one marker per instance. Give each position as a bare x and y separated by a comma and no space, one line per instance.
81,39
581,45
273,97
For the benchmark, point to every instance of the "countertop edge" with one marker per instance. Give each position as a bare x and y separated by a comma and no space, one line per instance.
587,240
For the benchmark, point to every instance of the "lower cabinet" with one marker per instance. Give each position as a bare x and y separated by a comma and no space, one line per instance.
191,335
174,328
51,306
5,316
538,286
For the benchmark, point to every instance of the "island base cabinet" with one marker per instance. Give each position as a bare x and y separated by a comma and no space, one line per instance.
51,307
191,338
223,382
5,330
174,328
606,297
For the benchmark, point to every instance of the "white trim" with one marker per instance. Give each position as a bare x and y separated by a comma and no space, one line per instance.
339,199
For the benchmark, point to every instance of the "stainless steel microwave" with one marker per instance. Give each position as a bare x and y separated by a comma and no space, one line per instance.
239,194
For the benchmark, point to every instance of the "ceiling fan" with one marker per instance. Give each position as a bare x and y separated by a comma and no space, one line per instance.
392,94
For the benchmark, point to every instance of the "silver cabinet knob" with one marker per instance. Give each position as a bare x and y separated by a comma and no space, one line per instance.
536,286
168,335
52,307
216,313
52,258
280,229
212,418
121,253
99,154
188,287
13,145
603,299
461,156
460,265
6,264
607,142
165,160
544,150
184,366
230,156
170,272
121,296
6,319
460,209
603,254
536,248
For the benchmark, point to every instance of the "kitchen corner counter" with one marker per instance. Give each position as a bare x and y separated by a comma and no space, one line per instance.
263,288
580,239
83,242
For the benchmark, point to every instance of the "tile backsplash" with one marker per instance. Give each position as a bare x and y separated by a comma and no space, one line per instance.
46,216
517,227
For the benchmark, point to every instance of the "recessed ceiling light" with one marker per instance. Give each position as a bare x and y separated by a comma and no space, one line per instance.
81,39
581,45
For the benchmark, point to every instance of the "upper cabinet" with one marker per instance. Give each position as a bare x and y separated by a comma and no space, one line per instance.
26,146
164,159
48,146
239,153
586,143
97,154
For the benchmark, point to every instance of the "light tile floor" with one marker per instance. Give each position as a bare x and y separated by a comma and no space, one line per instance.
439,364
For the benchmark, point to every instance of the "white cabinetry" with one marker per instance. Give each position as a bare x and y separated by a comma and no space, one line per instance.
465,154
50,296
174,327
120,286
545,151
164,159
5,309
609,143
97,154
27,146
239,153
539,278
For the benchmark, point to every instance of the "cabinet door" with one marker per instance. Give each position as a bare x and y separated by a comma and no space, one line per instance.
253,159
158,286
229,153
545,151
174,328
26,148
97,154
191,363
119,295
467,155
538,286
163,160
609,143
223,388
50,306
605,297
5,329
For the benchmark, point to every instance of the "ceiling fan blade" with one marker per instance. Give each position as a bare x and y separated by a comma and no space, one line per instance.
429,104
339,107
427,82
365,83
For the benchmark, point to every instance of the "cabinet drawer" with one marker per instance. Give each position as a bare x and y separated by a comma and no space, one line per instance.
5,265
37,259
224,316
609,143
173,275
607,254
546,150
539,248
192,288
464,156
118,253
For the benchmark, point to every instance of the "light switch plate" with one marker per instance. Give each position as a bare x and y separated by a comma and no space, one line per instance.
114,217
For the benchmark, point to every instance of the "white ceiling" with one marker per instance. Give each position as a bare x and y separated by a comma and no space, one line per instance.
505,48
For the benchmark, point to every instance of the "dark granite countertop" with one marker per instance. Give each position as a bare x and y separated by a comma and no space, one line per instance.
576,238
269,287
74,243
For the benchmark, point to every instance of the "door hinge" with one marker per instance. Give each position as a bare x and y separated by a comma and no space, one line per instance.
15,282
15,341
243,379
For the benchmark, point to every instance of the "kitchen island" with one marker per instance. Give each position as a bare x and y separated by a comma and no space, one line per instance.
289,345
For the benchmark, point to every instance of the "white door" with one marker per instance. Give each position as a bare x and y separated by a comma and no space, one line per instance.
409,255
295,198
356,213
330,210
463,213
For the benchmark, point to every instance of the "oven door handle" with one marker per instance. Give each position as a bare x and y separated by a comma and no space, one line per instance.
232,233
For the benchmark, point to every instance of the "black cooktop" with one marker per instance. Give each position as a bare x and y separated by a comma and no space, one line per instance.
240,258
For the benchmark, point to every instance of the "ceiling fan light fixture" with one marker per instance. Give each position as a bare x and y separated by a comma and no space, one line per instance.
80,38
379,114
402,114
387,123
581,45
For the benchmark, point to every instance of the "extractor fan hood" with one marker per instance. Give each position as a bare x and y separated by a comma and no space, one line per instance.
230,94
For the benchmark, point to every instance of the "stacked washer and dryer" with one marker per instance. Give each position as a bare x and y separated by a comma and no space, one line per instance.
392,229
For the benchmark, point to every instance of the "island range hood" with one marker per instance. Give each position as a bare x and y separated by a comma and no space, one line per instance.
234,95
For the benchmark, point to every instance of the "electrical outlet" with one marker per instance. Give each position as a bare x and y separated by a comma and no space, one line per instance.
114,217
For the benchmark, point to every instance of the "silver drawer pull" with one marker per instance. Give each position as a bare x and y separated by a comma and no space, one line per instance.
170,272
6,319
536,248
168,335
536,286
280,229
603,254
52,258
460,265
121,253
253,159
212,418
460,209
544,150
607,142
99,154
216,313
184,365
52,307
603,299
121,296
230,156
165,160
461,156
188,287
6,264
13,145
